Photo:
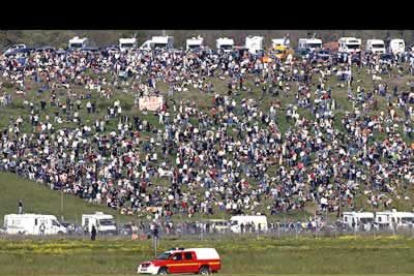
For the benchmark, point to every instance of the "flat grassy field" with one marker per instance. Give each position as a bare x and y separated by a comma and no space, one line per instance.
347,255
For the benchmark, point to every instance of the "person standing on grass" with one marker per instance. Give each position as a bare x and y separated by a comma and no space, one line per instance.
93,233
20,206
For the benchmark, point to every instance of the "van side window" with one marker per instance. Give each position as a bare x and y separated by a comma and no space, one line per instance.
35,221
379,219
188,256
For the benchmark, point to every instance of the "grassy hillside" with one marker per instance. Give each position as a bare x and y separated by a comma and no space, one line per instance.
38,198
110,37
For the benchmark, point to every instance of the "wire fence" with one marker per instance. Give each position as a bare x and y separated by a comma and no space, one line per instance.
202,230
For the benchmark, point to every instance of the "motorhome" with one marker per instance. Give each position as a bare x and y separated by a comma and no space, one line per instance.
254,44
258,222
397,46
225,44
126,44
358,220
194,43
158,42
32,224
104,224
349,45
77,43
312,44
375,46
394,220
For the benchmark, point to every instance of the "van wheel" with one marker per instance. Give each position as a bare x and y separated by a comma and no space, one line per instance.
204,270
163,271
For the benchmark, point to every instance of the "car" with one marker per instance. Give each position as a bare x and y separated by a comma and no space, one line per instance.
180,260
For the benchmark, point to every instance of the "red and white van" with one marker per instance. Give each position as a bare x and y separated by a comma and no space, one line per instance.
202,261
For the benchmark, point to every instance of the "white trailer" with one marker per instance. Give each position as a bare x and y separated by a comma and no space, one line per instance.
194,43
104,224
126,44
78,43
349,45
158,42
254,44
397,46
375,46
394,220
225,44
259,222
312,44
358,220
32,224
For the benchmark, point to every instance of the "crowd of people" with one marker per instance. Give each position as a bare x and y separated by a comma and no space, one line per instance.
247,150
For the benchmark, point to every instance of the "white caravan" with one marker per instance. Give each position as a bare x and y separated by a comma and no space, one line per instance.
360,220
276,42
254,44
397,46
394,220
259,222
349,45
375,46
126,44
312,44
104,224
32,224
225,44
194,43
158,42
77,43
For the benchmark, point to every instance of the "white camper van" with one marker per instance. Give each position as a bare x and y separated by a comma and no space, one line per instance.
361,220
259,222
349,45
194,43
33,224
394,220
397,46
126,44
104,224
312,44
375,46
77,43
158,42
225,44
276,42
254,44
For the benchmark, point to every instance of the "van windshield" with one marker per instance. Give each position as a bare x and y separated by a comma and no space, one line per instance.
127,45
163,256
159,45
106,222
352,46
314,45
226,47
377,45
233,222
407,220
366,220
76,45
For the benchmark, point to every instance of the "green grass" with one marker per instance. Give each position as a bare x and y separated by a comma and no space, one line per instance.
38,198
344,256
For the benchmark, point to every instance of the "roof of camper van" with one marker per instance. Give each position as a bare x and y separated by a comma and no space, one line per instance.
350,39
28,216
396,213
254,37
225,40
311,40
359,214
375,41
195,40
160,39
76,39
127,40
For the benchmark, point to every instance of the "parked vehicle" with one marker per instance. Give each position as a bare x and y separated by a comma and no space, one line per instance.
258,222
33,224
104,224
